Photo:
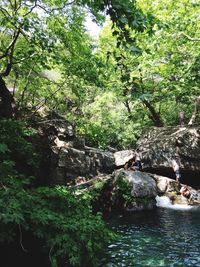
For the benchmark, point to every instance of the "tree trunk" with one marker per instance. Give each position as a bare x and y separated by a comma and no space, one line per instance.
154,115
196,109
7,102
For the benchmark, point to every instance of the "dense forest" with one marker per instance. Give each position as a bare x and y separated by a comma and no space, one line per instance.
142,71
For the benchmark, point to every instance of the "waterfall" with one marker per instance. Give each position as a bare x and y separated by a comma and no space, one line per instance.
165,202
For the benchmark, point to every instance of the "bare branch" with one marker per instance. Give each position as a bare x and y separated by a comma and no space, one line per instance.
43,102
4,11
58,8
15,5
9,52
43,8
31,9
196,109
12,44
19,5
190,38
3,186
11,4
50,251
25,88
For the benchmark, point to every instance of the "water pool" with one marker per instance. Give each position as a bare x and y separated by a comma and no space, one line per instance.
164,237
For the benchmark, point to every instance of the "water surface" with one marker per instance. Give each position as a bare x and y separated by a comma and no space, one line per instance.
164,237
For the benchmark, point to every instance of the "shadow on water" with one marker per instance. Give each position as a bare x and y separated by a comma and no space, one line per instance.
163,237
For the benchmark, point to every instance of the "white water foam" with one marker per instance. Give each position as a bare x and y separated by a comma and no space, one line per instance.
165,202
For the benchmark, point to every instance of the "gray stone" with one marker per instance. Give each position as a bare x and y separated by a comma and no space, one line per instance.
165,184
158,146
75,162
121,157
140,189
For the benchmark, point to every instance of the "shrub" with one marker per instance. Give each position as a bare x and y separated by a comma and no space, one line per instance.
59,218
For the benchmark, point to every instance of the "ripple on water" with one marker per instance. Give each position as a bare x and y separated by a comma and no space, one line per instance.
159,238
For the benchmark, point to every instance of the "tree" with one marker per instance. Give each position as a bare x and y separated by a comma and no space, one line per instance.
147,82
160,70
37,35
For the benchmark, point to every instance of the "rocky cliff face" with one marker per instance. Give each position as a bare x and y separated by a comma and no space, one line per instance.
158,146
65,158
69,164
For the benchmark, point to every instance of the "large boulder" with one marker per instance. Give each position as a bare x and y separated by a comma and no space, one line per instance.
165,185
158,146
134,190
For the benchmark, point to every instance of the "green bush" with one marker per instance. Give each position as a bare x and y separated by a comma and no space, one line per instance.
59,218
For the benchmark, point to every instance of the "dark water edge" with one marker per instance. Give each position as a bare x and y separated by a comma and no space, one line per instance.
163,237
25,251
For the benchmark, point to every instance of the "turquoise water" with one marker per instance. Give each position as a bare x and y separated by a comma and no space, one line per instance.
164,237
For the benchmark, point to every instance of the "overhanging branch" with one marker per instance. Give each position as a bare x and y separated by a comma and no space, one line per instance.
12,44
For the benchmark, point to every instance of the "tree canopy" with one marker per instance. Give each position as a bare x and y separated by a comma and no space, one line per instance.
155,77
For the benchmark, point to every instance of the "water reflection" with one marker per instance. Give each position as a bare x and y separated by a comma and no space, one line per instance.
159,238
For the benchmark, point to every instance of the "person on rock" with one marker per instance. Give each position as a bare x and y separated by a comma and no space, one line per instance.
181,117
133,164
176,169
192,195
185,191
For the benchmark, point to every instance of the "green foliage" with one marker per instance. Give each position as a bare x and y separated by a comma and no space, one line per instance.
14,141
108,123
152,84
123,190
60,219
28,48
143,69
